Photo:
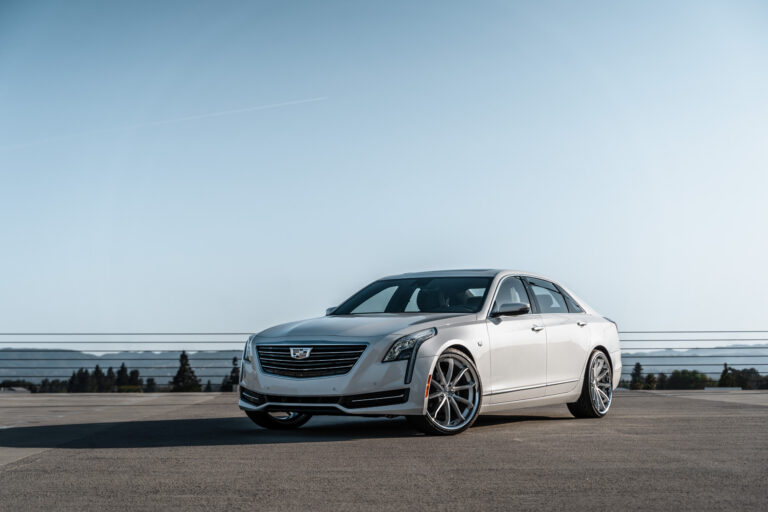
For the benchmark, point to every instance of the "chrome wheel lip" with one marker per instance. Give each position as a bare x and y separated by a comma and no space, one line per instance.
454,394
600,383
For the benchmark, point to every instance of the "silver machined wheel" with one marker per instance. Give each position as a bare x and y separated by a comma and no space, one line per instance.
454,395
600,383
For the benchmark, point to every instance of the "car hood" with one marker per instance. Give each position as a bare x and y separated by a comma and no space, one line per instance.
362,326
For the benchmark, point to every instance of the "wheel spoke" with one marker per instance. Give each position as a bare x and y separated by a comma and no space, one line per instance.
440,375
456,408
459,376
603,397
449,371
597,367
439,406
447,413
436,394
463,387
463,400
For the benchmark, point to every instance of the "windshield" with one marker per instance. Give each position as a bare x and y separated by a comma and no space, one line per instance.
419,295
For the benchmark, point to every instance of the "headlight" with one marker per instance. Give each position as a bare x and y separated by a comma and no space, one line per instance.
404,347
248,351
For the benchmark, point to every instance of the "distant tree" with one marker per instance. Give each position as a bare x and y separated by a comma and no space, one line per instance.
234,375
233,379
133,378
726,378
650,381
82,381
746,378
688,379
122,376
185,379
661,381
53,386
208,387
97,380
151,387
109,380
72,383
637,377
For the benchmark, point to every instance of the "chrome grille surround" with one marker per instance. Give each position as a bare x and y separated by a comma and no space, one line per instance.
323,361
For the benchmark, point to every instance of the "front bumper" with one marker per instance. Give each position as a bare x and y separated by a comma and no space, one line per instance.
323,404
370,388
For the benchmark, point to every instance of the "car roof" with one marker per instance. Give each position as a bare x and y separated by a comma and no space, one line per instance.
472,272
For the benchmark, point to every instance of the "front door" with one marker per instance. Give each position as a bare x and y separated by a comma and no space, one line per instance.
518,348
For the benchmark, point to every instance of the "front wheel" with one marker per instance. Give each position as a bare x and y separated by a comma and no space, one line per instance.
597,391
278,420
454,397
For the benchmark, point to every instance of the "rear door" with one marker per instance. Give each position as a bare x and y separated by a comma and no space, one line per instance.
518,348
567,339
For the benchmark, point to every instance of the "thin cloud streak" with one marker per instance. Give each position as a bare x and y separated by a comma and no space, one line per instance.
186,119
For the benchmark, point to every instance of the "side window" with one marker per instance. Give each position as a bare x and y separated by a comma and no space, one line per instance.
412,307
572,306
377,302
549,298
511,291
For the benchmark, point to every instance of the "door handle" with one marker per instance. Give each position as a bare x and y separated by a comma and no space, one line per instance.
581,324
536,328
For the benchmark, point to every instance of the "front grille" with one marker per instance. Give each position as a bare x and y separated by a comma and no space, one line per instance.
323,360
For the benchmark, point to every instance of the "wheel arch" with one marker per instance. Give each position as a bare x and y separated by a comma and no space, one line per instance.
604,350
475,354
464,350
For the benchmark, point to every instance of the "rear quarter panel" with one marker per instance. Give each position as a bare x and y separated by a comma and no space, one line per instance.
604,333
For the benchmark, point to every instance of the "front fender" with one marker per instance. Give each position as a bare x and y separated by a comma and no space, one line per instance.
472,340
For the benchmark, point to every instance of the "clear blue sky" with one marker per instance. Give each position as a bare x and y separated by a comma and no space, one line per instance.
231,165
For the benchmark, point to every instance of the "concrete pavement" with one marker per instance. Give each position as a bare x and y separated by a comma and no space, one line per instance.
654,451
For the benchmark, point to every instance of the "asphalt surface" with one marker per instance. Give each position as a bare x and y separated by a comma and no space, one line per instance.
654,451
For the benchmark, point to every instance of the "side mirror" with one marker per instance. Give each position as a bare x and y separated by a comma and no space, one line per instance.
513,309
330,310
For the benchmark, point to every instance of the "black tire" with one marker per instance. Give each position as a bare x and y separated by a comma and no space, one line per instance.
584,407
266,420
429,426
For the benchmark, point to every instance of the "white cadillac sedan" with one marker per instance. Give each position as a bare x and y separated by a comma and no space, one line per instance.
439,348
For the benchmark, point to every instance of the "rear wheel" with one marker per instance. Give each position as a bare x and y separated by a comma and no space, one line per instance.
278,420
597,390
453,400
